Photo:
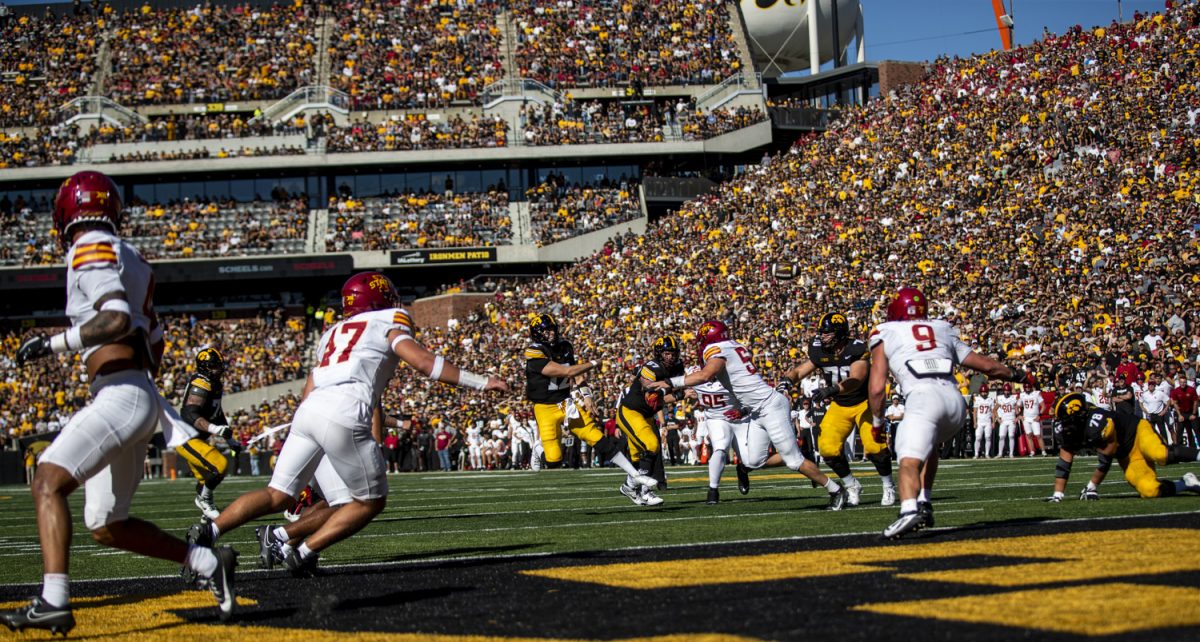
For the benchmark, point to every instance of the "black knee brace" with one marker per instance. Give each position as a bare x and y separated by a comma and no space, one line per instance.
607,447
839,465
1177,453
1062,469
1103,463
882,461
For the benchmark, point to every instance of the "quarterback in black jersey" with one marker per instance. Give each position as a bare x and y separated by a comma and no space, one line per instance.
551,373
637,416
202,411
844,363
1115,435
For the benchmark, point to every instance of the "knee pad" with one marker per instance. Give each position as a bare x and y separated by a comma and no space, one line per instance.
606,447
1103,463
1062,469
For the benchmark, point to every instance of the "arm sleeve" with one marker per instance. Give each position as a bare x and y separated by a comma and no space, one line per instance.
191,412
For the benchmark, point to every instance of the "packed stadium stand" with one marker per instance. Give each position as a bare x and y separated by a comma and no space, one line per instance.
1044,197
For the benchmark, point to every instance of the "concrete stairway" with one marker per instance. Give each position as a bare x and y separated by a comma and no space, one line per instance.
742,38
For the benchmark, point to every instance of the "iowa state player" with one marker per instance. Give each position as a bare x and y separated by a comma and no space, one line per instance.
717,414
1006,412
340,421
110,301
922,355
768,410
984,404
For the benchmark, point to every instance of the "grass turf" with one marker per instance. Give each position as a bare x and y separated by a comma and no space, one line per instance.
438,515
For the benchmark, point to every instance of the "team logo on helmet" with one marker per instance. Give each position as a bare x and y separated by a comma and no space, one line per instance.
542,327
209,360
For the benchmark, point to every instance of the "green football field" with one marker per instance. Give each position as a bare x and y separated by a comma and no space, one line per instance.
436,516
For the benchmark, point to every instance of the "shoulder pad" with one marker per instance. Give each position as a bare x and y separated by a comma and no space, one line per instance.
94,255
710,351
649,371
201,383
400,316
536,351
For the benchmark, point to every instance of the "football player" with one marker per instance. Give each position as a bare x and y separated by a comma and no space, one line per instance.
1115,435
844,363
110,302
551,374
202,412
1006,413
337,430
922,355
768,411
984,404
715,413
1031,420
637,417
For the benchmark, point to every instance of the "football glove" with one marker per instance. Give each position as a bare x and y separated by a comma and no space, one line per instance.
821,394
224,432
785,386
34,347
1055,498
1089,494
1023,377
878,431
734,414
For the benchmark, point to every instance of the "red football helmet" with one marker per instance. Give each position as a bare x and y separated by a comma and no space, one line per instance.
983,388
712,332
1008,389
367,291
86,197
909,304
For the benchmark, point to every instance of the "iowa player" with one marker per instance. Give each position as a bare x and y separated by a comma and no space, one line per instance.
844,363
550,374
1130,440
637,417
202,411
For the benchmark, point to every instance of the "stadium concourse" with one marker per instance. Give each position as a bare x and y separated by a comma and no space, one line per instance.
1045,198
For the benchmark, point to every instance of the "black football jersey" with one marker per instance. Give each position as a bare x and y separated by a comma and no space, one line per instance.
835,367
210,391
635,394
538,387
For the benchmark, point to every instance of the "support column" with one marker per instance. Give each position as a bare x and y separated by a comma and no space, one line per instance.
814,38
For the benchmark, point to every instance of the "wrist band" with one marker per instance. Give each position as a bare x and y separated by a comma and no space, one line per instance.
468,379
677,382
438,364
68,341
594,364
116,305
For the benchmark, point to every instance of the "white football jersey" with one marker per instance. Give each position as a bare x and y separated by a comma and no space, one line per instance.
100,263
921,352
1006,407
985,407
473,436
739,377
356,362
1100,397
1031,404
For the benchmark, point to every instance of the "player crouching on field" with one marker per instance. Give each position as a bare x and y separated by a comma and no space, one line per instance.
1129,440
110,301
337,431
921,354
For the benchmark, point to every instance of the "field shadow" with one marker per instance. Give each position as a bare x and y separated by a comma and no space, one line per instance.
465,550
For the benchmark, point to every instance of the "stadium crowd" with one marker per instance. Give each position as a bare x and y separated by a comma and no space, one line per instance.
419,220
46,61
594,121
560,211
212,53
603,44
399,55
397,134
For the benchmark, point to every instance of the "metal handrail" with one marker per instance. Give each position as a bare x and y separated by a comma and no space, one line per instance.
100,107
310,96
737,82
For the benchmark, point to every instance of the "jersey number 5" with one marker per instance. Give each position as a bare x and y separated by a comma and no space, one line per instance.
924,336
745,356
355,330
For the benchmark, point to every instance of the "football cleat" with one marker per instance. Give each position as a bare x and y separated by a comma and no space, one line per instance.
633,495
1090,494
301,567
853,491
200,534
221,583
714,496
650,499
743,475
926,511
889,496
1191,482
207,507
645,480
268,547
39,615
907,523
837,501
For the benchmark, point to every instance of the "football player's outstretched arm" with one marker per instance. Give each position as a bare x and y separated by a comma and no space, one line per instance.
877,380
797,374
555,369
112,322
996,370
437,368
